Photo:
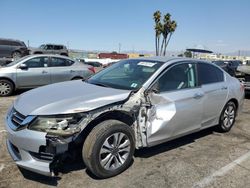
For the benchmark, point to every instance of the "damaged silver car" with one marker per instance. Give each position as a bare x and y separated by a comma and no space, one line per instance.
134,103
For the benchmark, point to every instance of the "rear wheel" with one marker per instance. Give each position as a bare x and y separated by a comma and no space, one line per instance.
109,148
16,55
227,117
6,88
77,78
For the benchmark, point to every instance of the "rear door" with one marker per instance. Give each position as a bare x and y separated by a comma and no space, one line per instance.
62,69
177,108
215,89
36,74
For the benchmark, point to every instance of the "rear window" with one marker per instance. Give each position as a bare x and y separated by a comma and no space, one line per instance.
11,43
208,74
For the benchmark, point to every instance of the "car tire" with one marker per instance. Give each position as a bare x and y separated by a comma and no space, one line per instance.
109,148
16,55
77,78
227,117
6,88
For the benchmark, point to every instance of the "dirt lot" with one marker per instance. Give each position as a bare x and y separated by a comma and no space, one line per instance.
205,159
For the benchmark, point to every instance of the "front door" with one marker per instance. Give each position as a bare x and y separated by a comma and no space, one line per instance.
176,106
36,74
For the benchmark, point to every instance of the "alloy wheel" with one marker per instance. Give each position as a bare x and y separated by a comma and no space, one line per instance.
114,151
229,116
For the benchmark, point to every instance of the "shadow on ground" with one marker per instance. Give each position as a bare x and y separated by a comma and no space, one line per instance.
53,181
170,145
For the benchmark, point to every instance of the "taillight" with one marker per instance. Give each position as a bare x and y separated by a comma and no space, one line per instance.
92,69
242,88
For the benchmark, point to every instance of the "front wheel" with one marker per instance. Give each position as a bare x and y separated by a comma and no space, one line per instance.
6,88
227,117
109,148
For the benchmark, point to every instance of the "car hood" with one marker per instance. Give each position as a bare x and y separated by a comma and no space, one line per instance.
67,97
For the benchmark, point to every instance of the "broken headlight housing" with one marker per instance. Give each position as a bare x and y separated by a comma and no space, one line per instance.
61,125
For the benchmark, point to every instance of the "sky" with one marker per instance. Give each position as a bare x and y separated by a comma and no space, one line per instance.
220,25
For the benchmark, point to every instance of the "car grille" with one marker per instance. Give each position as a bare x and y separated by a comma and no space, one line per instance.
42,156
18,121
17,118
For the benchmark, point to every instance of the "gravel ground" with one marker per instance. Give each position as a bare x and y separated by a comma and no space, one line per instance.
204,159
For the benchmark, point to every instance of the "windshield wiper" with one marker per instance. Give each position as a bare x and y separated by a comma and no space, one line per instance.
100,84
96,83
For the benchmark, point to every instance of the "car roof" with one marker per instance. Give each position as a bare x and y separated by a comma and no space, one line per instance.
49,55
165,59
11,40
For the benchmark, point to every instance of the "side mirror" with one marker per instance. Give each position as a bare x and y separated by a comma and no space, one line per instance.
23,67
155,88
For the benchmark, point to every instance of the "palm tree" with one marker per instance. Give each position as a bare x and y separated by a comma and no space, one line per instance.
172,28
158,26
166,29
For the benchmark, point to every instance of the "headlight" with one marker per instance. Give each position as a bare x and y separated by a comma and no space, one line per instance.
64,125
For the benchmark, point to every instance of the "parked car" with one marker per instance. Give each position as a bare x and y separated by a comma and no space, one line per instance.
230,66
50,49
38,70
10,48
132,104
244,76
233,65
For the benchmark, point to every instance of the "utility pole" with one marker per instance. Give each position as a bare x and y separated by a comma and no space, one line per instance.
68,44
120,46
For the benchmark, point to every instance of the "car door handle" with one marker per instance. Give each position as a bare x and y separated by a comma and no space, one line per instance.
44,72
198,95
72,71
224,87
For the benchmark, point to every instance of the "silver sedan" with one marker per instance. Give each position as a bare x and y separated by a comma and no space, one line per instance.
132,104
38,70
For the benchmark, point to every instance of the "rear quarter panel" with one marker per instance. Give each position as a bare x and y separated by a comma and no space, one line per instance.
235,91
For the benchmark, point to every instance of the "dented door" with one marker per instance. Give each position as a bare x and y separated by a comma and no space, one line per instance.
175,111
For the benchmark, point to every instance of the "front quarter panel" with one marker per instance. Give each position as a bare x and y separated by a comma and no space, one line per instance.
8,72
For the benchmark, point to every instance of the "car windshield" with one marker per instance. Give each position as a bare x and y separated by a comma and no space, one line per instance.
15,62
127,74
42,46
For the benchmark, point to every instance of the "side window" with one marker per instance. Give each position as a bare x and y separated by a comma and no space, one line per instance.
179,77
60,62
37,62
209,74
48,47
56,47
15,43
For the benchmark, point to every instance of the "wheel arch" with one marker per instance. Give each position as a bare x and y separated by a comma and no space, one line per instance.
110,115
235,101
77,77
6,78
38,52
16,50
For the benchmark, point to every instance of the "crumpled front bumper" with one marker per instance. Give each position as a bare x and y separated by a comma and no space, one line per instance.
24,147
25,160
